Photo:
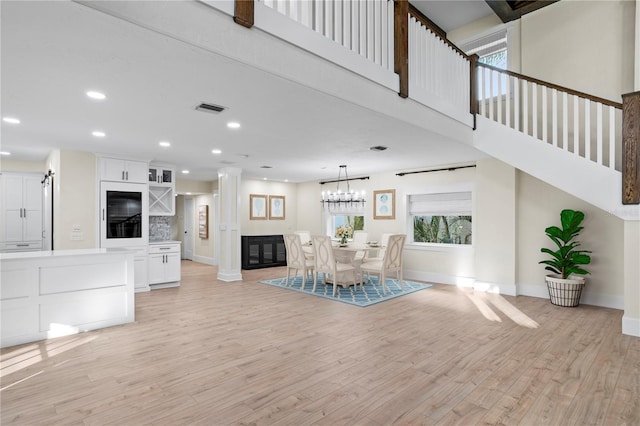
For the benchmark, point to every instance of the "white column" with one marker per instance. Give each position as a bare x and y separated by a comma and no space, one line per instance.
631,317
229,256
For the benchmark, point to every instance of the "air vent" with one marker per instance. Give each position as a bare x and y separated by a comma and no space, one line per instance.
266,167
210,108
227,162
378,148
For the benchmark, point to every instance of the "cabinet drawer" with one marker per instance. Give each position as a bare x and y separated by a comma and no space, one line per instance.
164,248
31,246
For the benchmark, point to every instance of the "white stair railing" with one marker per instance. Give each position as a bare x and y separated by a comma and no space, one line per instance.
587,126
438,73
362,26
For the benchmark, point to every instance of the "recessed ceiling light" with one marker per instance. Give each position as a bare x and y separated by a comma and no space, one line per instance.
187,193
5,153
11,120
286,180
185,172
164,143
264,178
99,134
96,95
233,125
216,151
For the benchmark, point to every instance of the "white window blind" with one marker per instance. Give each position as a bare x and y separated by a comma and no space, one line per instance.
441,204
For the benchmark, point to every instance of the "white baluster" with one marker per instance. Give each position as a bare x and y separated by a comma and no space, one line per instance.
390,44
305,14
319,17
337,21
525,107
328,19
481,91
385,35
554,117
587,129
491,97
576,126
355,26
370,29
507,95
599,148
362,24
534,109
612,137
516,103
545,113
565,121
346,23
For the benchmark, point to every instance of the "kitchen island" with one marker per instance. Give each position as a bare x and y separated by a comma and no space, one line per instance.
48,294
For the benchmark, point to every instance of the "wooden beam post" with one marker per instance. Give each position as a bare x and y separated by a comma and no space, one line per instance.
401,44
631,148
243,13
473,87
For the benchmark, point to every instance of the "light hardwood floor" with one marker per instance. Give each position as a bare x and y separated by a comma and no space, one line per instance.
215,353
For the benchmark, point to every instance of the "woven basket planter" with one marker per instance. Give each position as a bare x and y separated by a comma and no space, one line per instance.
564,292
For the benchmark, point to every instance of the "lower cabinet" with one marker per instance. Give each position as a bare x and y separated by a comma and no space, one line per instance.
263,251
164,265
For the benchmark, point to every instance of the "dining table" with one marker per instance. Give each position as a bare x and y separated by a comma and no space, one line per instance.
346,253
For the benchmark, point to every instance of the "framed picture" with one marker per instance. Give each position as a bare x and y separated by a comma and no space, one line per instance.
257,207
203,221
384,204
276,207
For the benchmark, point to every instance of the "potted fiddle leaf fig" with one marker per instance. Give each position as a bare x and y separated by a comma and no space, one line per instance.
566,262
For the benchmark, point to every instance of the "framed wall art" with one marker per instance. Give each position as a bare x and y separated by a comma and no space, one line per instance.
257,207
276,207
203,221
384,204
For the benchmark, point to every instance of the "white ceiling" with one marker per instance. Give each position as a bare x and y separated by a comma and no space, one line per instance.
452,14
52,52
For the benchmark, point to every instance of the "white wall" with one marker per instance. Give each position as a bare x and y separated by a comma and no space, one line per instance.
11,165
204,247
584,45
539,206
74,198
269,227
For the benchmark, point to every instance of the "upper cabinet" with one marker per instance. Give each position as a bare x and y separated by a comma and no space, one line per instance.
161,176
161,190
119,170
21,216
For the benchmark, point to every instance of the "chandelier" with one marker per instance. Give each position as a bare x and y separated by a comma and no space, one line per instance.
339,200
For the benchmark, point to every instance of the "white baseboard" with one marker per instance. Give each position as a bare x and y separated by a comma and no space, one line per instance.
206,260
229,277
467,282
630,326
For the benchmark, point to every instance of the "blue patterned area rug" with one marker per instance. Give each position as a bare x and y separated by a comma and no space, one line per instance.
371,295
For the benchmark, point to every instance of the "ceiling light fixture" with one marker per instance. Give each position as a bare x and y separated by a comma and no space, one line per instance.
96,95
99,134
185,172
216,151
233,125
5,153
11,120
349,201
164,144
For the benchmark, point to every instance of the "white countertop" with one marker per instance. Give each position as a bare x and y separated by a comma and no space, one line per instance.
63,253
165,242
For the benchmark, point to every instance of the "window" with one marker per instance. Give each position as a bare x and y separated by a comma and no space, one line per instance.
356,223
441,218
491,50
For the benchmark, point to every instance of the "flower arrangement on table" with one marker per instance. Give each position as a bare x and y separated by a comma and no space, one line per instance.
343,232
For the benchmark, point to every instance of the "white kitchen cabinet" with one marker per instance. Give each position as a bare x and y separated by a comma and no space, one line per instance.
162,200
21,218
120,170
161,175
164,265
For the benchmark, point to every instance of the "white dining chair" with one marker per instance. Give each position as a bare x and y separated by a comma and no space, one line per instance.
360,237
296,259
305,236
325,262
391,262
384,239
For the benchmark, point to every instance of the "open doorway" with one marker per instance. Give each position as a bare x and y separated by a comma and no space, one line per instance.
187,241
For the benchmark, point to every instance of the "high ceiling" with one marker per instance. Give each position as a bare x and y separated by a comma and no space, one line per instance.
53,52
